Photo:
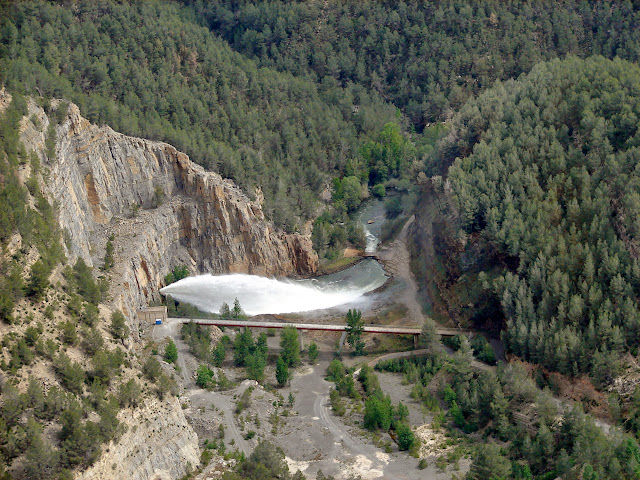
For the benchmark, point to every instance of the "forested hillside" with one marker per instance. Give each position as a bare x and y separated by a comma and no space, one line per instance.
61,362
150,70
427,58
524,114
548,174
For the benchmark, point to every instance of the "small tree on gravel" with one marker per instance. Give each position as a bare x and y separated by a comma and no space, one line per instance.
313,352
406,438
171,352
218,355
355,328
282,372
204,376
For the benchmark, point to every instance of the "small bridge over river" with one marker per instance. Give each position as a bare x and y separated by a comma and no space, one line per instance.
415,331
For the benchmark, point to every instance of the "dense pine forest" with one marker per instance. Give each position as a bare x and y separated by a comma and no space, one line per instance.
150,70
522,117
427,58
549,175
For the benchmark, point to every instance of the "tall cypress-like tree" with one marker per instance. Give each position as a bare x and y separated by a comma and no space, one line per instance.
282,372
355,328
290,350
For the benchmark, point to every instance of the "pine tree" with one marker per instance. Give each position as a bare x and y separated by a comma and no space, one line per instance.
242,347
429,337
218,355
225,311
237,311
282,372
171,352
119,328
255,366
290,350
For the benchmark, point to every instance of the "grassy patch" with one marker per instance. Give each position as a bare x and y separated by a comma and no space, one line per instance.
338,264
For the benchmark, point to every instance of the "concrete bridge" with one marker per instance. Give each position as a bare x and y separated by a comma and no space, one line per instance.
415,331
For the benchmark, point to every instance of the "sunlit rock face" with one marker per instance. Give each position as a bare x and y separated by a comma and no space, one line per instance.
162,210
159,444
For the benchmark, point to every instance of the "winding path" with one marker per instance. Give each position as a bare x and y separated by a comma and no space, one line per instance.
220,399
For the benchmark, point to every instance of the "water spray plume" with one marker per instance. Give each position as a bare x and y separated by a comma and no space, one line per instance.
261,295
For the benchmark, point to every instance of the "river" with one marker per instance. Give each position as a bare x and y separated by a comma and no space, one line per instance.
262,295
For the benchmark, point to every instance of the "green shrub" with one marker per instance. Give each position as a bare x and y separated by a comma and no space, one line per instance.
178,273
335,370
312,352
204,377
406,438
171,352
378,190
378,412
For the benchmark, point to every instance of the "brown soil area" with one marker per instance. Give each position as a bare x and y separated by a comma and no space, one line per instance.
351,252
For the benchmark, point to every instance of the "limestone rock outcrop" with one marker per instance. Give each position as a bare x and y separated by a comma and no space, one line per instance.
158,444
161,209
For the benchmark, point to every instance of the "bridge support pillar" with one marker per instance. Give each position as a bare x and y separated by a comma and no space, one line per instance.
341,343
301,339
416,341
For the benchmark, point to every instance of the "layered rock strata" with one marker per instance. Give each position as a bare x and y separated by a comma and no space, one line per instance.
158,444
162,210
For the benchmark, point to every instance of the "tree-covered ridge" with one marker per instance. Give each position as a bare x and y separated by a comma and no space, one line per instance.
427,58
148,69
549,175
64,375
25,215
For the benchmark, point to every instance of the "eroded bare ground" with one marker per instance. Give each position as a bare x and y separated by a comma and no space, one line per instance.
312,437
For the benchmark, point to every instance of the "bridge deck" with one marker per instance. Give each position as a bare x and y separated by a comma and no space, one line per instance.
447,332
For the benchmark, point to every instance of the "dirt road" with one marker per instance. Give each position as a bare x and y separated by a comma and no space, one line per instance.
397,261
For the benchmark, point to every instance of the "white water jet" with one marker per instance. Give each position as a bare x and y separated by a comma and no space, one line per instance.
261,295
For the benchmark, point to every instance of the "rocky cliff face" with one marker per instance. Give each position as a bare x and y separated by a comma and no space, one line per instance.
158,444
162,209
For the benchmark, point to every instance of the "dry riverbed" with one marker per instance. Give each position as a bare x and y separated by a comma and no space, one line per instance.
312,437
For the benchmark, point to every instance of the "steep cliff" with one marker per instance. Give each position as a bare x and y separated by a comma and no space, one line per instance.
158,444
162,209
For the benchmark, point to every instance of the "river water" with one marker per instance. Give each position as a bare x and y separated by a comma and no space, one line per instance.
261,295
372,216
